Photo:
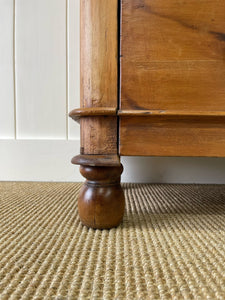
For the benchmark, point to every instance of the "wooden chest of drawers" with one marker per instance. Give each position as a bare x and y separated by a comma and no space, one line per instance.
152,83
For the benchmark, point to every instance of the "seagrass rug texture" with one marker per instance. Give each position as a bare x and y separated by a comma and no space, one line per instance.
171,244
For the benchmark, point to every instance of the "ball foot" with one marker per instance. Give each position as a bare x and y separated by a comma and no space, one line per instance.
101,202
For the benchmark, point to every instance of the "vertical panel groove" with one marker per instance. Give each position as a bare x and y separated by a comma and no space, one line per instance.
67,69
119,85
14,67
73,42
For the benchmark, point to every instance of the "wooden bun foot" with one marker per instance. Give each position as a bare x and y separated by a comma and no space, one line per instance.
101,201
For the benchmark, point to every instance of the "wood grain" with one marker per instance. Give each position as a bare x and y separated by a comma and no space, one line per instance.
99,53
101,201
78,113
168,136
172,113
99,74
173,29
97,160
98,135
173,55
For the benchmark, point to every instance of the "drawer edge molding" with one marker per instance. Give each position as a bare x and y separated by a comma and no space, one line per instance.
168,113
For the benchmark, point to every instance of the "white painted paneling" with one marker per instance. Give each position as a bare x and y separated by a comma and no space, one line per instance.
38,160
73,14
41,69
6,70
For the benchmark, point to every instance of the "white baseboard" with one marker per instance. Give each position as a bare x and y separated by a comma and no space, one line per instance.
49,160
39,160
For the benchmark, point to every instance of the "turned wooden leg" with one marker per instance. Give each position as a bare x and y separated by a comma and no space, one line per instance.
101,201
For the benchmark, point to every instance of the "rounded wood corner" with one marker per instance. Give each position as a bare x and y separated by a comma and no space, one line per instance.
97,160
78,113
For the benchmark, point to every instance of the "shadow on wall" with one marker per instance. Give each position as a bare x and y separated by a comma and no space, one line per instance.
173,170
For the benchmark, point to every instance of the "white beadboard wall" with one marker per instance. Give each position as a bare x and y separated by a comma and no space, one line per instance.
39,85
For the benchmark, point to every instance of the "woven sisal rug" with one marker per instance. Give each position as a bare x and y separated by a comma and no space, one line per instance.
171,244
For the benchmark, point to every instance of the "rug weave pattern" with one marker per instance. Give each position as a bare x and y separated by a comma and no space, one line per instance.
171,244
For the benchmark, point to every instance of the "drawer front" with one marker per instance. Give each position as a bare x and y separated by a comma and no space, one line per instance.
173,55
